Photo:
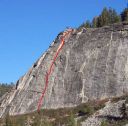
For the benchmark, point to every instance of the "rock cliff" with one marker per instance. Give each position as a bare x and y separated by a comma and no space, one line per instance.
93,64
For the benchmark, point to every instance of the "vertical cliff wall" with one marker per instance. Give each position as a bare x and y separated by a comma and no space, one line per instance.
93,64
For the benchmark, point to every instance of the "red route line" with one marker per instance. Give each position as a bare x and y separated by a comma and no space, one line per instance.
51,67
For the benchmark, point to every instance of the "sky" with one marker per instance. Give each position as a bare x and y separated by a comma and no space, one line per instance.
28,27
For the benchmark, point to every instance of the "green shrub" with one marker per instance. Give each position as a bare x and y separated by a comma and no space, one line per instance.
8,121
72,121
104,123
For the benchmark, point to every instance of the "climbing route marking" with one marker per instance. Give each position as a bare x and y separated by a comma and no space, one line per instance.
62,39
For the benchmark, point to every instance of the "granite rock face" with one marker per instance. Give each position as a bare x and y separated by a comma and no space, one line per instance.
93,64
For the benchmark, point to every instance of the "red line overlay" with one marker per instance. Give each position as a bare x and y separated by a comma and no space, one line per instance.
62,39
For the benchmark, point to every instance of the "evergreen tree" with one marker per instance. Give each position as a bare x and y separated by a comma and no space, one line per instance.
113,16
104,17
99,23
124,15
87,24
95,22
107,16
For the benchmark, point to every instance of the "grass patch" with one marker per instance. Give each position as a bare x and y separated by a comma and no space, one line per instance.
55,117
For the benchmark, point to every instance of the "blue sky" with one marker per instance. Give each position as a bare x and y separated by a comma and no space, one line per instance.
27,27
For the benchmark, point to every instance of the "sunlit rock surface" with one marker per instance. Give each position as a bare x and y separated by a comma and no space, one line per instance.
93,64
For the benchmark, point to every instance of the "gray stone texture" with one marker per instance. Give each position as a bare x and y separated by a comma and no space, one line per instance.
93,64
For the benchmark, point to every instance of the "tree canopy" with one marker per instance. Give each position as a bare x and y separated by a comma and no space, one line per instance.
107,17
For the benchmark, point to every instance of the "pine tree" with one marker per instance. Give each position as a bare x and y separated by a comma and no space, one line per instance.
87,24
95,22
124,15
104,17
113,16
99,24
107,17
